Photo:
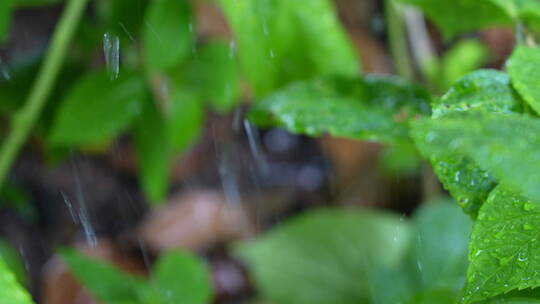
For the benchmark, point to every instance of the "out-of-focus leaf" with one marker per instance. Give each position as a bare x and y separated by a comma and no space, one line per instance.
372,108
464,57
439,249
124,17
167,34
483,90
34,3
462,16
213,73
504,247
439,296
326,256
400,159
524,70
181,278
184,120
6,9
506,145
525,11
280,41
14,262
13,196
97,109
103,280
153,152
10,291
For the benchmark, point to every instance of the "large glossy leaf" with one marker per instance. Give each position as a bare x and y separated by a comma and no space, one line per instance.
103,281
280,41
98,109
372,108
10,290
461,16
506,145
524,69
181,278
153,152
504,246
167,34
326,256
484,91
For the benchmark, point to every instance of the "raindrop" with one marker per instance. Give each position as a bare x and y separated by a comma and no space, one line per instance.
254,144
272,54
232,48
126,31
111,49
4,72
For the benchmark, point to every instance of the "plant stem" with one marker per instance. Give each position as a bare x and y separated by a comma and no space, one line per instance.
24,120
398,40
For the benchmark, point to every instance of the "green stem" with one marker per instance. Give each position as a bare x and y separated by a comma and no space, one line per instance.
398,40
25,118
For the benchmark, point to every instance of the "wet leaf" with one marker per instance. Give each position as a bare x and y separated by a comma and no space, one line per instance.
504,246
524,70
485,91
372,108
463,16
97,109
153,152
325,256
181,278
103,281
505,145
280,41
11,292
167,35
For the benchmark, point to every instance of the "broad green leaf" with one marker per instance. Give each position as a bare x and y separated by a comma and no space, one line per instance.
167,36
280,41
504,246
153,152
124,17
184,119
506,145
486,91
97,109
10,290
326,256
525,11
439,250
6,9
524,70
372,108
455,17
181,278
213,73
13,261
103,281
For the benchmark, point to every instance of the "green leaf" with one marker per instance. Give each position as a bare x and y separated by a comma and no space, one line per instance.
483,90
213,73
281,41
185,118
525,11
439,250
439,296
10,291
14,262
167,34
372,108
400,159
34,3
181,278
98,109
326,256
153,152
504,246
103,280
6,9
525,72
124,17
455,17
506,145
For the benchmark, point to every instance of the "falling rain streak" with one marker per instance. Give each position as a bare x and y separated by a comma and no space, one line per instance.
111,50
